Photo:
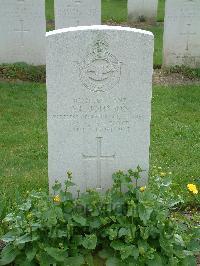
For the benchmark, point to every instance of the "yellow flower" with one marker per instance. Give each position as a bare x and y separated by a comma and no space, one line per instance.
192,188
57,199
162,174
142,189
29,215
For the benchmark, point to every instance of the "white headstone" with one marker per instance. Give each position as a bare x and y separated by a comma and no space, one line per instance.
71,13
99,84
182,33
142,10
22,31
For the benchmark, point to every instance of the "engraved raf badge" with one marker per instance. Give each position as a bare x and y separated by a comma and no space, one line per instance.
100,70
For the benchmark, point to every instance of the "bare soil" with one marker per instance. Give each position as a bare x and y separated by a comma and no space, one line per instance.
161,77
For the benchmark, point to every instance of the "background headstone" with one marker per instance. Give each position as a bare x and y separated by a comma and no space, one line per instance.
142,10
22,31
99,84
182,33
71,13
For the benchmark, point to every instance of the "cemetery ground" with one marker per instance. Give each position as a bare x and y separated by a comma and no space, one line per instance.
175,134
175,127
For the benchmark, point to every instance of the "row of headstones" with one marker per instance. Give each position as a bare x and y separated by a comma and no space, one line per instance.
23,27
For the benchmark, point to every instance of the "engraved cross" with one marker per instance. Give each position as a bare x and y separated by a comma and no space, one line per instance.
99,158
188,33
77,2
22,31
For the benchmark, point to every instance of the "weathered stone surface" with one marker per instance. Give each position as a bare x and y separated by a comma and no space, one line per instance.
99,83
22,31
142,10
182,33
71,13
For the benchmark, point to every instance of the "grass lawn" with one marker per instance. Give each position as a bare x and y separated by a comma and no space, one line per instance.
175,135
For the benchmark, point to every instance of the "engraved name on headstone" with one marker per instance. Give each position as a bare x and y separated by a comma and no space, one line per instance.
182,33
23,29
71,13
99,81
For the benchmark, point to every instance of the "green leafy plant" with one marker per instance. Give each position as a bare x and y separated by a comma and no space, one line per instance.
23,71
191,73
127,225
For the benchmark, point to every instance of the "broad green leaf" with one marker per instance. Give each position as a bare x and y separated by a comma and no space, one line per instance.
194,245
127,251
106,253
117,245
89,241
9,237
9,218
95,223
189,261
144,232
114,262
144,213
79,219
8,255
135,252
166,245
61,233
22,261
173,261
59,213
30,253
89,260
156,261
56,253
74,261
23,239
133,230
123,232
26,206
45,259
179,240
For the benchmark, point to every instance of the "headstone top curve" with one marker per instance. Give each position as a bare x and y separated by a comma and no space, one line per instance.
98,27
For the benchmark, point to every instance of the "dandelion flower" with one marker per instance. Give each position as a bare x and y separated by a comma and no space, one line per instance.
192,188
57,199
162,174
142,189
